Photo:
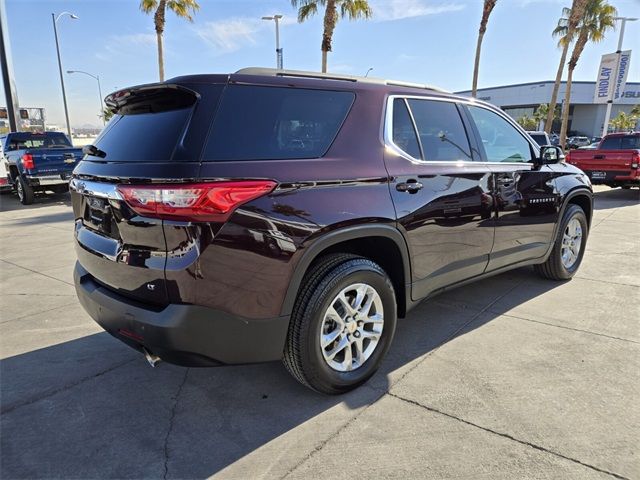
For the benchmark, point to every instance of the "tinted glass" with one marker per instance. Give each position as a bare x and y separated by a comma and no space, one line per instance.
263,123
611,143
501,141
441,131
404,135
37,140
630,142
539,139
142,137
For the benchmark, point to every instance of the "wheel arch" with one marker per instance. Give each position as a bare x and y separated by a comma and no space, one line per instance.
584,199
383,244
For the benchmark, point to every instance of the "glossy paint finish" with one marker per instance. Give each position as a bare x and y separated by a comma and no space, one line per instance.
469,217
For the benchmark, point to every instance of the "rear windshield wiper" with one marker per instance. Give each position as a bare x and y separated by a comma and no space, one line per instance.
93,151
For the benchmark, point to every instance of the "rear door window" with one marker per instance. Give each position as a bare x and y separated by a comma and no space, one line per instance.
404,135
272,123
441,131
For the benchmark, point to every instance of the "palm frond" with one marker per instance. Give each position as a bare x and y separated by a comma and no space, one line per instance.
184,8
354,9
148,6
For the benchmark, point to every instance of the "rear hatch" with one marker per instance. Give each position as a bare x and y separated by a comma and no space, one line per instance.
152,139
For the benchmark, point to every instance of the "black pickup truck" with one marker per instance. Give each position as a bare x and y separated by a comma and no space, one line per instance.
37,162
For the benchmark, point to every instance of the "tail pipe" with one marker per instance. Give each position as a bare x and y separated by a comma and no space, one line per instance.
151,358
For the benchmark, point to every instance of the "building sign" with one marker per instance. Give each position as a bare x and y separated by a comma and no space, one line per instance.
606,84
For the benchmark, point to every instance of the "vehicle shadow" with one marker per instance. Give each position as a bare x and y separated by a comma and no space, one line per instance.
91,407
9,202
616,198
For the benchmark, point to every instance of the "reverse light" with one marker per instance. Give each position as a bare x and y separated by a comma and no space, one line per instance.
635,160
197,202
27,161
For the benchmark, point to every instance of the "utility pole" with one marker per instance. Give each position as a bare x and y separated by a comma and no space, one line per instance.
10,91
611,99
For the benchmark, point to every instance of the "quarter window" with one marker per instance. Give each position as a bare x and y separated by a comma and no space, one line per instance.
500,140
440,130
404,135
264,123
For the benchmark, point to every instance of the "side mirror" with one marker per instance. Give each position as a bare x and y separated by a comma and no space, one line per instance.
550,154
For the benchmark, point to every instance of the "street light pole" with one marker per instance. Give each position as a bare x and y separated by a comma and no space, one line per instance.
64,94
96,77
276,19
610,100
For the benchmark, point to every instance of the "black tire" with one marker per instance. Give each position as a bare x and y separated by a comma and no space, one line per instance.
24,191
303,355
553,268
626,187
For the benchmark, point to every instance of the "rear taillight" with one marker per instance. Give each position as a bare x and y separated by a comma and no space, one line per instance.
197,202
27,161
567,157
4,181
635,160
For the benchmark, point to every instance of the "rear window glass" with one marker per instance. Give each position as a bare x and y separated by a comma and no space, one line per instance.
33,141
265,123
147,128
629,142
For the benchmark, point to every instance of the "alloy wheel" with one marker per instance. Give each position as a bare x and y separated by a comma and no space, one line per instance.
351,327
571,243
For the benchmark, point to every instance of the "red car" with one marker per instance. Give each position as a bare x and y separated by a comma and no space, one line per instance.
614,163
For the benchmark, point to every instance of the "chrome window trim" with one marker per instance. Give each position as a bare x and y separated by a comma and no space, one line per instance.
391,146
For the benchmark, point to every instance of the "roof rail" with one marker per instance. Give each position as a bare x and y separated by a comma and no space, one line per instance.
422,86
330,76
294,73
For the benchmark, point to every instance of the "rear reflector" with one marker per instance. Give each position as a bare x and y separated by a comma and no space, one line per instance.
193,202
27,161
130,334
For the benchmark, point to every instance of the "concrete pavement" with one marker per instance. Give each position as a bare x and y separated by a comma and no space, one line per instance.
511,377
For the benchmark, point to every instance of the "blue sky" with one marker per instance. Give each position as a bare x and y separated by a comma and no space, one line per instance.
428,41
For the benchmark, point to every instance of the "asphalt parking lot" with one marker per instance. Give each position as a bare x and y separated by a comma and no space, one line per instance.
512,377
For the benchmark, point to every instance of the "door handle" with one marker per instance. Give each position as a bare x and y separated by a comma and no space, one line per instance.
410,186
598,157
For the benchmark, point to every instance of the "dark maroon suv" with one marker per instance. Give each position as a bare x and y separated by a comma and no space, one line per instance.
267,215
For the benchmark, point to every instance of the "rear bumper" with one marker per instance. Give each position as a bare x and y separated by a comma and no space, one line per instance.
188,335
45,180
611,177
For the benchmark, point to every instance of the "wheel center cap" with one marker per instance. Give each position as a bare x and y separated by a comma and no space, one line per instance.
352,326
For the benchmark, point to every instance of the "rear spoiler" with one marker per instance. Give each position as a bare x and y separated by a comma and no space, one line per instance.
152,97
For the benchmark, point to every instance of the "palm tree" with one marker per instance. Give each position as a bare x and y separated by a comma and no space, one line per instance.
527,122
566,28
624,122
486,12
598,17
182,8
353,9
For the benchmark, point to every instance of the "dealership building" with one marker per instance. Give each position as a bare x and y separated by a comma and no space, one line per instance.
585,117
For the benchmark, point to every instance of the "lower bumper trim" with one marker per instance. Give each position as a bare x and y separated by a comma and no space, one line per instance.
189,335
